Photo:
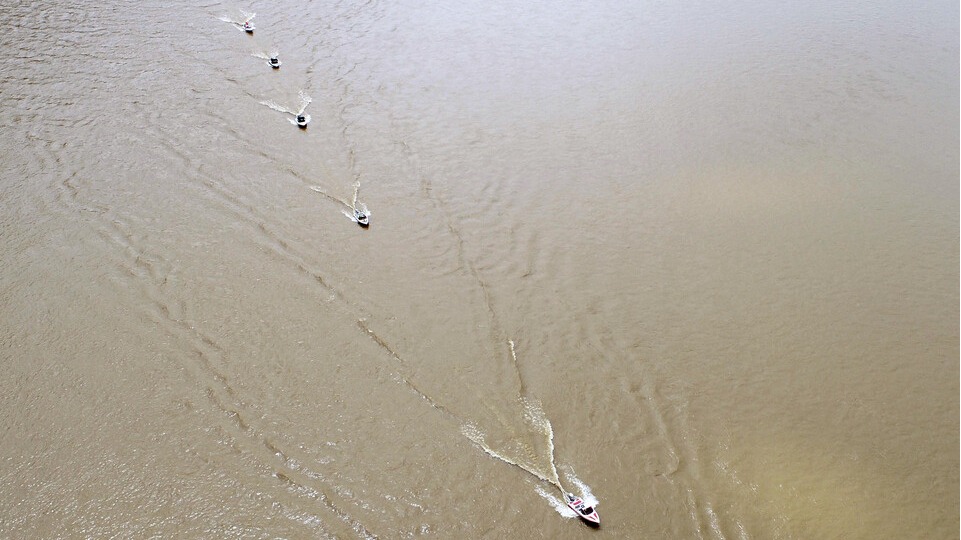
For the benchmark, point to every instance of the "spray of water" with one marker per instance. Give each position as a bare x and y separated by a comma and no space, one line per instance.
583,488
556,503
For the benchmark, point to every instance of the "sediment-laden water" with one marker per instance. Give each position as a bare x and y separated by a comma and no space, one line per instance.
696,263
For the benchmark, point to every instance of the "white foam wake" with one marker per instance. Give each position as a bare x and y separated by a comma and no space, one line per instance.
535,417
304,101
264,55
525,459
556,503
474,433
239,24
583,489
277,107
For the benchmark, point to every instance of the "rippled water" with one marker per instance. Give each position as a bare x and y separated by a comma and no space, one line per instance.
697,263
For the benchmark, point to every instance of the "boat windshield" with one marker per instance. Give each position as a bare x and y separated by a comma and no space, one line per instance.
587,510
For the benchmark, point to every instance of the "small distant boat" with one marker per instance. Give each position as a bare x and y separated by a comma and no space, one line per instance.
274,62
585,512
362,218
249,28
302,120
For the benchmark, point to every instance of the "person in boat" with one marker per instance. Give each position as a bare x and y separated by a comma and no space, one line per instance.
582,507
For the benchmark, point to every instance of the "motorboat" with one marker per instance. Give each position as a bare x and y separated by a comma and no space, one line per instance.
249,28
302,120
587,513
274,62
362,218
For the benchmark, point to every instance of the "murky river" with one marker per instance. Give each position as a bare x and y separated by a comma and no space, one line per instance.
696,262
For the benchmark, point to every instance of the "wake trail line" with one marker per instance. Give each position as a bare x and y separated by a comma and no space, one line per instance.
534,417
362,323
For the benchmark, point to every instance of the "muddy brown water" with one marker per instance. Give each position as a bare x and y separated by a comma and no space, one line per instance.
696,262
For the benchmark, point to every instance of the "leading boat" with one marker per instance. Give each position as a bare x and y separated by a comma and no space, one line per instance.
587,513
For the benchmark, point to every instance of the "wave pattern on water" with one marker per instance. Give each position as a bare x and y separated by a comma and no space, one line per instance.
194,224
517,453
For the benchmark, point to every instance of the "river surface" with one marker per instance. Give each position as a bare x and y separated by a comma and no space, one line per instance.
696,262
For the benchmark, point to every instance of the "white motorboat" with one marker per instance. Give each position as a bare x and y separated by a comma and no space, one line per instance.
362,218
587,513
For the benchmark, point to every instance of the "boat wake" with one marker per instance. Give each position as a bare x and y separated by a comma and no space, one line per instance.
530,449
264,55
349,207
239,24
537,456
544,469
276,107
518,453
350,213
583,489
304,101
556,502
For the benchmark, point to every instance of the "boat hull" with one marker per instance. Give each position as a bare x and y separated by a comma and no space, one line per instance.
578,506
